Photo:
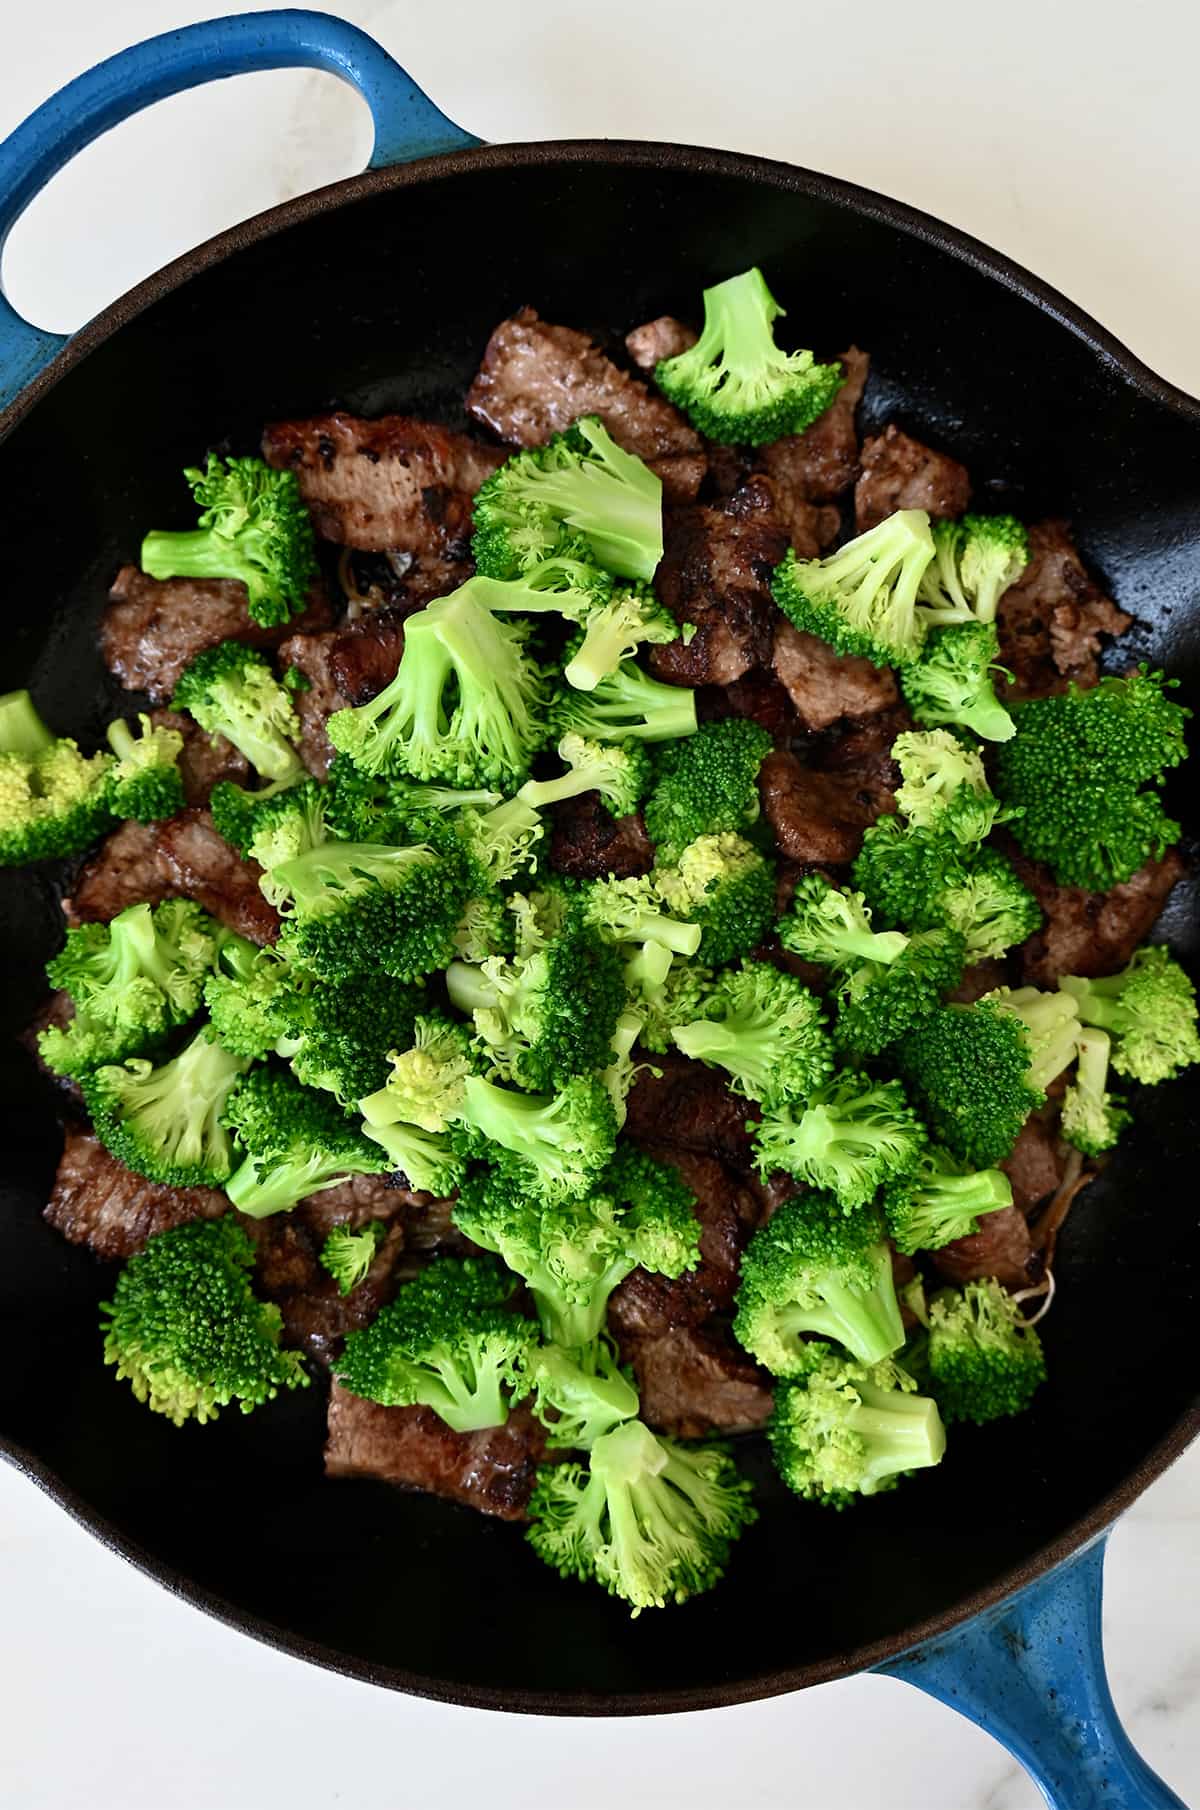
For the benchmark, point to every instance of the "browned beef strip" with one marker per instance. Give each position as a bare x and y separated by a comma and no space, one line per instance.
588,842
1035,1166
693,1380
819,817
97,1201
153,627
206,869
716,574
655,340
825,686
1092,933
316,1315
1001,1247
978,979
57,1011
127,868
757,695
310,655
1050,623
356,1200
728,1212
492,1471
344,667
536,379
688,1107
901,473
821,464
863,749
206,759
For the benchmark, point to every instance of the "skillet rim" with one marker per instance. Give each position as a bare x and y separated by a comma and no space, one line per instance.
1112,354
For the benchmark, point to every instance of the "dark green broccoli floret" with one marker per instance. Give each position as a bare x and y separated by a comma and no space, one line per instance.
53,799
132,981
186,1330
554,1145
940,1201
903,871
165,1122
580,484
295,1142
447,1342
581,1395
727,887
348,1254
990,907
816,1269
1082,776
824,924
422,1098
705,784
1092,1118
253,527
247,994
975,561
851,1137
358,907
734,384
766,1031
271,826
985,1361
944,786
231,691
649,1519
678,995
620,772
878,1003
145,783
952,682
1149,1010
385,807
850,1430
627,705
862,599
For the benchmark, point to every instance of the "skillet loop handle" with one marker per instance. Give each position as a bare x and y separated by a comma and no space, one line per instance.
407,124
1031,1672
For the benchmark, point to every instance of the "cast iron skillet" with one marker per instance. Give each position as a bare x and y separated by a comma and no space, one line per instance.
363,296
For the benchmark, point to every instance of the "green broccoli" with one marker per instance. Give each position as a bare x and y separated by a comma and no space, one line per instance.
252,527
766,1031
975,561
165,1123
952,682
944,786
231,691
385,807
1092,1118
579,1396
985,1361
903,871
278,824
145,783
619,771
706,784
1081,777
850,1430
348,1254
295,1142
631,619
53,799
581,482
649,1519
132,981
630,911
485,927
420,1101
627,705
727,887
862,598
990,907
735,385
500,841
358,907
826,925
850,1138
816,1269
879,1003
678,996
448,1342
940,1201
621,1070
247,995
1149,1010
186,1330
554,1146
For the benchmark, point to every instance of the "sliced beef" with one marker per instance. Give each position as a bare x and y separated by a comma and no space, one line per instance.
206,759
1050,623
978,979
826,686
757,695
1092,933
57,1011
1002,1248
655,340
356,1200
688,1107
819,817
536,379
819,465
588,842
693,1380
316,1315
901,473
716,574
205,868
344,667
492,1471
310,656
153,627
863,749
429,1229
1034,1167
127,868
728,1211
97,1201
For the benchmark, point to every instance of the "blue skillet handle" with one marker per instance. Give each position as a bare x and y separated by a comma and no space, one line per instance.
1031,1672
407,124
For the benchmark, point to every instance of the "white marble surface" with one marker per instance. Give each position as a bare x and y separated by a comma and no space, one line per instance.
1062,134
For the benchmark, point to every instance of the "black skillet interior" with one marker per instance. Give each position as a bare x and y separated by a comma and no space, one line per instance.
372,306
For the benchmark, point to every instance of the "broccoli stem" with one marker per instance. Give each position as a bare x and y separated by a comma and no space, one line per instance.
541,792
988,718
867,1322
466,1407
191,553
121,739
22,730
648,969
470,989
902,1432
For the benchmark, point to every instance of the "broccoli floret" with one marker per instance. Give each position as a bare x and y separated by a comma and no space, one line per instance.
132,981
985,1361
991,908
620,772
253,527
53,799
621,1072
1092,1119
165,1123
485,927
553,1145
940,1201
850,1138
879,1003
627,705
862,599
616,619
339,1035
824,924
295,1141
247,996
734,384
447,1342
850,1430
727,887
348,1254
816,1269
427,1080
284,826
384,807
1149,1010
630,911
903,870
579,1396
145,783
1082,773
678,996
980,1070
649,1519
944,786
952,682
706,784
581,481
357,907
975,561
631,619
500,841
186,1330
662,1206
231,691
766,1031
